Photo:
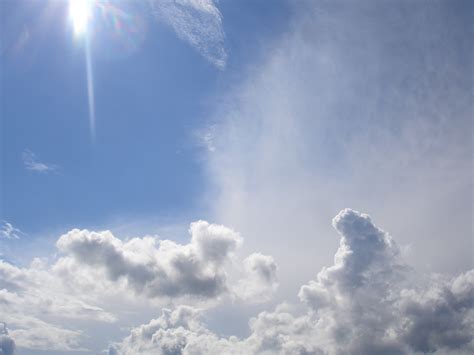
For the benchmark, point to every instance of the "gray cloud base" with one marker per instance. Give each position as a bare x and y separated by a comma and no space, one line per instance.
7,344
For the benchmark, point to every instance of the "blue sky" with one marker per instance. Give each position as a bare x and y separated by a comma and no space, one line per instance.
250,164
144,159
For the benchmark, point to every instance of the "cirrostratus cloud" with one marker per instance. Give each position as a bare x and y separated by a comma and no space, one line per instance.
367,302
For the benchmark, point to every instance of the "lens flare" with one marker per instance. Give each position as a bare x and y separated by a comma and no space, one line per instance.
99,22
80,13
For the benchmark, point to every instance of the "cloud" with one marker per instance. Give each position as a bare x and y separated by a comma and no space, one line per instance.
261,278
7,231
365,303
366,257
30,161
98,278
158,268
348,108
7,344
45,336
30,297
197,22
205,138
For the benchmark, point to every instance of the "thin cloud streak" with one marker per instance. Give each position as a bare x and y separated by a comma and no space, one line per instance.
8,231
31,162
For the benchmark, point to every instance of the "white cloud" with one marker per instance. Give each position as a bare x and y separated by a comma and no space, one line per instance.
158,268
30,297
205,138
365,303
261,278
99,278
31,162
197,22
40,335
8,231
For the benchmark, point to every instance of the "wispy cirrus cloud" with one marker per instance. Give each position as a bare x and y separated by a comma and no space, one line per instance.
198,22
8,231
31,162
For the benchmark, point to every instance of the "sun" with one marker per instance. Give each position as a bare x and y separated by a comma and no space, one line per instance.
80,14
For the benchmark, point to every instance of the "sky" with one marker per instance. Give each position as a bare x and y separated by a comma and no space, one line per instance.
236,177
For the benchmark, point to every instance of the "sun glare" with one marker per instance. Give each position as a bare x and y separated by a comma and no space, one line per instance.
80,13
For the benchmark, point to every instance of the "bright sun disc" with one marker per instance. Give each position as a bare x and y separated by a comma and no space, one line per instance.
80,12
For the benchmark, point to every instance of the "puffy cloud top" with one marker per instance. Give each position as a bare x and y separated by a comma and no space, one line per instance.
158,268
367,258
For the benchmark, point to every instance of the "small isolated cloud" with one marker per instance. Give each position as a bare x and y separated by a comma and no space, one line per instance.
365,303
8,231
197,22
32,163
205,138
7,344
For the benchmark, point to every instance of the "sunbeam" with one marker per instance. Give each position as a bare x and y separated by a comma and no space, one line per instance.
90,88
80,12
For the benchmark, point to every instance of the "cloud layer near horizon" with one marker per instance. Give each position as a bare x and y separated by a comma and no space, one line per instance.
365,303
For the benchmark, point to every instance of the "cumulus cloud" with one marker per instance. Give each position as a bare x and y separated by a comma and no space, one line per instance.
96,269
31,162
198,22
365,303
7,344
158,268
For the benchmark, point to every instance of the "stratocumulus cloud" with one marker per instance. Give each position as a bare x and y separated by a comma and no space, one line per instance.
365,303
